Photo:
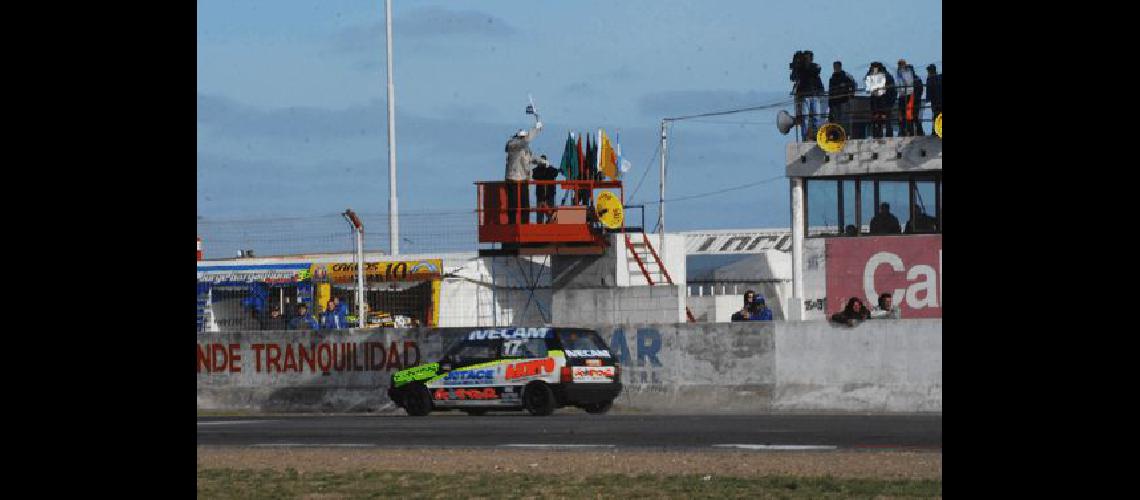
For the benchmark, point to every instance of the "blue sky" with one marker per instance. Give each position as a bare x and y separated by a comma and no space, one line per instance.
291,95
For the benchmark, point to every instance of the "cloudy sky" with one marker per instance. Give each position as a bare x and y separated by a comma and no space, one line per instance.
292,115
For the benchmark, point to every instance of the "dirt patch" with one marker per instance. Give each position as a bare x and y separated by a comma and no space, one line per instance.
840,464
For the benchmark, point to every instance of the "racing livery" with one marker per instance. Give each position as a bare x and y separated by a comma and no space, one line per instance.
537,369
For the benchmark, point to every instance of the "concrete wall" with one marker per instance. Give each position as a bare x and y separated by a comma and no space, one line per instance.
880,366
630,304
892,366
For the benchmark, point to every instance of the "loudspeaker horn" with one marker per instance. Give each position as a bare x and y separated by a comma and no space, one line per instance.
831,137
784,122
938,125
608,208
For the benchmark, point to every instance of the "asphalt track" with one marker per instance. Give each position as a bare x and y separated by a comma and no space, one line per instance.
571,429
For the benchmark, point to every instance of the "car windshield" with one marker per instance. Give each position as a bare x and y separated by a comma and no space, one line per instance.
580,340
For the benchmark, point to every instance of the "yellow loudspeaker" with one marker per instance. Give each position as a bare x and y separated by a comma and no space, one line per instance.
831,137
607,206
938,125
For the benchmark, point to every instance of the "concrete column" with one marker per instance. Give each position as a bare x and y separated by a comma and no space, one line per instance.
795,307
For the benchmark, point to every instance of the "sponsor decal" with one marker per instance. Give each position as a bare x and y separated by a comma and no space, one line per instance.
908,267
469,377
465,394
510,334
587,353
510,394
404,270
593,374
413,374
736,242
593,362
530,368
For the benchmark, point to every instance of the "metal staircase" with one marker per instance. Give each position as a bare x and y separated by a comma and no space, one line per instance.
650,265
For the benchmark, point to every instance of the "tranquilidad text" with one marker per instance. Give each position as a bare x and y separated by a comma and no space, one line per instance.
323,358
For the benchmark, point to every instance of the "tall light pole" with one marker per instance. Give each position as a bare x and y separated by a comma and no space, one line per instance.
393,202
661,199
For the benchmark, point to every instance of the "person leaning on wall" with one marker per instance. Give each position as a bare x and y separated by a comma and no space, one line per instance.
758,310
745,312
886,309
853,314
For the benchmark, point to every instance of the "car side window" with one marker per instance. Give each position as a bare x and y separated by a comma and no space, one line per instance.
473,352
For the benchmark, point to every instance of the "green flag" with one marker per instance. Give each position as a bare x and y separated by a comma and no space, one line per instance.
569,166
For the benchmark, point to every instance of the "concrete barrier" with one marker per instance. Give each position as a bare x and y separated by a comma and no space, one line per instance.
883,366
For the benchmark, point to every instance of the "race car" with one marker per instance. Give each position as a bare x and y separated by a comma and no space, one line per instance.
537,369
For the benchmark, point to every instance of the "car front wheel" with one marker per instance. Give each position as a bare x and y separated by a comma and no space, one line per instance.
417,401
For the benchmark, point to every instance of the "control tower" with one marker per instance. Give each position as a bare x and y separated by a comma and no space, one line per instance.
873,210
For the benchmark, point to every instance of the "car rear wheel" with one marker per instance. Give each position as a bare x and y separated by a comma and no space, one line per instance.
538,399
417,401
598,408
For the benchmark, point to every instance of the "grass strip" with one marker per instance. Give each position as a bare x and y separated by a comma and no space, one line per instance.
266,483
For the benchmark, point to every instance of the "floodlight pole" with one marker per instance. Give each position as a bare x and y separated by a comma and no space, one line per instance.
358,228
393,202
661,196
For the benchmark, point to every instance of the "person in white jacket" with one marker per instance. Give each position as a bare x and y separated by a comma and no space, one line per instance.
876,83
519,159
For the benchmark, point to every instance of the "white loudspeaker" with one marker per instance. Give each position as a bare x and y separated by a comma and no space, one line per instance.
784,122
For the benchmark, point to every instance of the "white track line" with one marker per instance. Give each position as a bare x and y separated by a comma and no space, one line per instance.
777,446
231,422
319,445
549,446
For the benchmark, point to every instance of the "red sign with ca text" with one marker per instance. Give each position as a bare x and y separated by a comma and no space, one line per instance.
908,267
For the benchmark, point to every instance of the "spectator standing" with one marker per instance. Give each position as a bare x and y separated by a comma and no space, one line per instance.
876,84
544,195
917,118
854,313
333,319
934,90
906,98
519,159
886,309
884,222
276,321
808,90
889,101
840,89
303,320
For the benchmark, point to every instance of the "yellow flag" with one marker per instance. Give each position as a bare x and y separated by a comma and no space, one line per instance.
607,158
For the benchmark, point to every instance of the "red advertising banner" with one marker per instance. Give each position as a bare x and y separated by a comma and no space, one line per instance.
908,267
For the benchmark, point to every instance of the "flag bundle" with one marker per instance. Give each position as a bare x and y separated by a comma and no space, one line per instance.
592,157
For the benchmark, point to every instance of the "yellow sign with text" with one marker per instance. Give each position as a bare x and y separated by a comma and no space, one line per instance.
377,272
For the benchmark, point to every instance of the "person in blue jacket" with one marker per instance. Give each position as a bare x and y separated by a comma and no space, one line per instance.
303,320
334,317
759,311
